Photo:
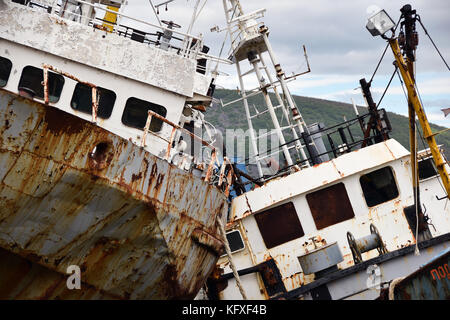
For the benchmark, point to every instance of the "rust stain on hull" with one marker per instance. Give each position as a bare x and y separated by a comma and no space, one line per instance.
72,193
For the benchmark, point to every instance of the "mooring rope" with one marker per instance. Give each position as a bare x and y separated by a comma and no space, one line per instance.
416,191
392,287
230,258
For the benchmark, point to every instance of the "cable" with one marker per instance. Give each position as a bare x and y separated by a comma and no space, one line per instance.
384,52
379,62
414,175
416,191
154,11
230,258
385,90
426,32
401,84
420,99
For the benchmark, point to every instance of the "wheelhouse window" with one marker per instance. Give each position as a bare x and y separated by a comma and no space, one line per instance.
135,114
82,100
279,225
379,186
5,71
235,241
31,84
426,169
330,206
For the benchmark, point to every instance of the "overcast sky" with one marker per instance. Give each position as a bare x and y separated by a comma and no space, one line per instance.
341,51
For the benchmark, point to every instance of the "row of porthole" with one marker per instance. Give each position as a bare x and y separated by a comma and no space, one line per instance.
31,86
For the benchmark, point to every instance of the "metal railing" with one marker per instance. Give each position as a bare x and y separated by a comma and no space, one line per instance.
186,45
93,87
238,32
223,177
338,140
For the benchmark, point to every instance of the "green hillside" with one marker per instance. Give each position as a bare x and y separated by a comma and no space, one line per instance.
313,110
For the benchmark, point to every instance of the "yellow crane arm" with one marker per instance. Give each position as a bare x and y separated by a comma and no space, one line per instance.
414,99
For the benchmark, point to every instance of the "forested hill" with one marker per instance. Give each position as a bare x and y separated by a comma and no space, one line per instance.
313,110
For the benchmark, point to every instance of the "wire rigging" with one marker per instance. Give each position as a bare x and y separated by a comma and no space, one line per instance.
426,32
387,87
420,98
417,125
384,52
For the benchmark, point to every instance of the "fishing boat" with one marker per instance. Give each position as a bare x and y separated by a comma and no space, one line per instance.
103,189
335,217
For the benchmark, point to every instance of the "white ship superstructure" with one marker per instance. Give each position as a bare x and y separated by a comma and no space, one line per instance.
339,219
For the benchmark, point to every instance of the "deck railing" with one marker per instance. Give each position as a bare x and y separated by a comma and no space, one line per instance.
224,175
226,169
182,43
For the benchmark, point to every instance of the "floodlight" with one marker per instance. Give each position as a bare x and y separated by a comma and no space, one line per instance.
379,23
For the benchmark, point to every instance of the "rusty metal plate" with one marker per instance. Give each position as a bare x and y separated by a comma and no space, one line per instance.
430,282
123,215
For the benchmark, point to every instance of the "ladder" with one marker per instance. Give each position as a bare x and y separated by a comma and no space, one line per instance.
248,43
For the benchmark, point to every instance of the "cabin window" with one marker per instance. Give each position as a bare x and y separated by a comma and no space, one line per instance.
379,186
5,71
426,169
135,114
235,241
330,206
32,83
82,100
279,225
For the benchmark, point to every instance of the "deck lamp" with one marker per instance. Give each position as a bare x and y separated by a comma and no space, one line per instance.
379,21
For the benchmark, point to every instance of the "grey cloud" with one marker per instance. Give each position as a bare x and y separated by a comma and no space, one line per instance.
333,32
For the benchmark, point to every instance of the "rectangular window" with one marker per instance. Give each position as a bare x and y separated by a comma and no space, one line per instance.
5,71
235,240
330,206
279,225
31,84
82,100
379,186
426,169
135,114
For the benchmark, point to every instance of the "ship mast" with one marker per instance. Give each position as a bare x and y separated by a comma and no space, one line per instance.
414,104
249,40
379,24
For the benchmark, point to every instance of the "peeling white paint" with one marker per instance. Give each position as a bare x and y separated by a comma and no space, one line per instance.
99,49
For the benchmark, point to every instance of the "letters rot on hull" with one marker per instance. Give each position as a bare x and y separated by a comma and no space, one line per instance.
124,216
432,281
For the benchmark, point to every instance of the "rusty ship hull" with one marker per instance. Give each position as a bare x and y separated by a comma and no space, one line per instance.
72,193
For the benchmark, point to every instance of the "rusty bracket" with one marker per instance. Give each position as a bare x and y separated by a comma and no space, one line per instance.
169,145
211,165
94,104
146,128
230,175
301,73
46,98
47,67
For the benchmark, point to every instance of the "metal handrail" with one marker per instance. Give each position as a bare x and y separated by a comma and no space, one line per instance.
208,176
150,115
95,5
47,67
188,39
